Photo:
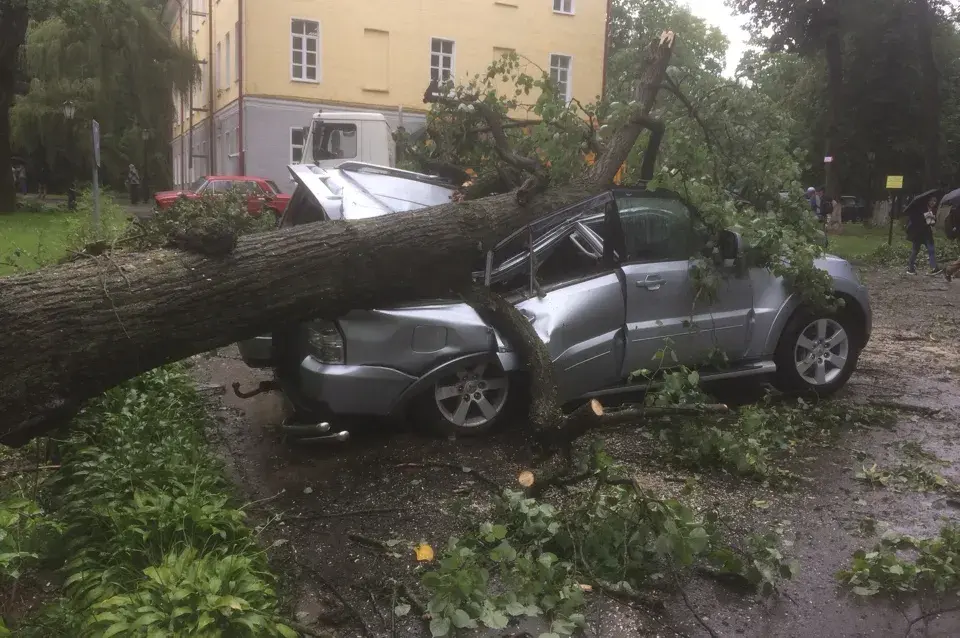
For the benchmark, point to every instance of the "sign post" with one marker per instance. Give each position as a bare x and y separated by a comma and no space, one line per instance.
894,183
96,176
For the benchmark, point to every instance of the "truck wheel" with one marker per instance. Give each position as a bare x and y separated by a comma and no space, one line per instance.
817,353
469,402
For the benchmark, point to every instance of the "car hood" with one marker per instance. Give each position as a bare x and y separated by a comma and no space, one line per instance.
171,194
355,190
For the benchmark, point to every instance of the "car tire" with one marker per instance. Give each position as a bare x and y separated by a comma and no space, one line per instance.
817,353
469,402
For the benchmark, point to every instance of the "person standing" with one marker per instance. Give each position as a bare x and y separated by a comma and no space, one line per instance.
22,180
920,224
133,183
42,181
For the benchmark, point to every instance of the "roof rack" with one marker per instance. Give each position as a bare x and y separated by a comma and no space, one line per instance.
362,167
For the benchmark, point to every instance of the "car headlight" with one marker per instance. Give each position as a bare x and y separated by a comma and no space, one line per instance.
325,341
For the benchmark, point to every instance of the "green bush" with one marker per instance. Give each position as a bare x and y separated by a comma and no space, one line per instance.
152,544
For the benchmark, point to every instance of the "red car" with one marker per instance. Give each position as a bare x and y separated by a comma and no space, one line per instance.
262,194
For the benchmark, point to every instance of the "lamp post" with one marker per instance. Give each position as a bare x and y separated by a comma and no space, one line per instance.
145,136
69,111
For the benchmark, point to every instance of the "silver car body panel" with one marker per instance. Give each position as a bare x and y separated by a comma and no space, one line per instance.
598,329
354,190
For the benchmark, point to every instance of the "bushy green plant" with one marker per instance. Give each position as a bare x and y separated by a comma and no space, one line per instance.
26,531
152,544
83,232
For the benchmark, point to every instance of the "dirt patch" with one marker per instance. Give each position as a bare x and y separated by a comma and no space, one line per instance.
312,500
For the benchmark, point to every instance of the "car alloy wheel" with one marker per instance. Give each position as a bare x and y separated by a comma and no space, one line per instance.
821,352
473,398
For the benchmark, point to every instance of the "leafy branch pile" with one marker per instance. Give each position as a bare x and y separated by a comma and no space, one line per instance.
750,441
151,544
901,563
611,535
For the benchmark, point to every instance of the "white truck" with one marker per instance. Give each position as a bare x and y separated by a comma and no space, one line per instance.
336,137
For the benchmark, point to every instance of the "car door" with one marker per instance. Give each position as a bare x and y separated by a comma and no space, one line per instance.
256,196
575,303
663,308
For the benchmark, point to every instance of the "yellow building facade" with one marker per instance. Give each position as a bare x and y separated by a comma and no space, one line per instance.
269,65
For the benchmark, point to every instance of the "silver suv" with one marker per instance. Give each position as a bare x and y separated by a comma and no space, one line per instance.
607,286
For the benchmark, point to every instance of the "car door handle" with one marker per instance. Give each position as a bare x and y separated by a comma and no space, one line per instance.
652,282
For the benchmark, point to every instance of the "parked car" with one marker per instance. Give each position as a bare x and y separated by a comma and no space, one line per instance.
854,209
262,194
611,287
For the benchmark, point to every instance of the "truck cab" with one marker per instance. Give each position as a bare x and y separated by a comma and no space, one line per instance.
333,138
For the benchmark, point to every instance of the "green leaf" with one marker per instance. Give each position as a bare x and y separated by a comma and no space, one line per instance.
462,620
115,629
865,591
401,610
494,619
699,540
287,632
439,627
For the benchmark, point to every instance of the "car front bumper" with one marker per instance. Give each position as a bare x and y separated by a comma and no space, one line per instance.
356,390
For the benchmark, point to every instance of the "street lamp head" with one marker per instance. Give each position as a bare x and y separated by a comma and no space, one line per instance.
69,110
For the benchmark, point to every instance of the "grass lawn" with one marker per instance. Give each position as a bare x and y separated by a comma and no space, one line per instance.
858,240
28,240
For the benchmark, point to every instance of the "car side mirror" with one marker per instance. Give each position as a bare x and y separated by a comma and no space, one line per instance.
729,247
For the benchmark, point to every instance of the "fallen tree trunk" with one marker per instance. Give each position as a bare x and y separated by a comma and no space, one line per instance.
75,330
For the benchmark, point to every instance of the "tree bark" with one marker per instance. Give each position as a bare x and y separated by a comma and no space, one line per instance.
930,109
833,47
13,32
75,330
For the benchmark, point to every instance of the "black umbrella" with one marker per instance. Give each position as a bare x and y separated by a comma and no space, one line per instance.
951,199
920,201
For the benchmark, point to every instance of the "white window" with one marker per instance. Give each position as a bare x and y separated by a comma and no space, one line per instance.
219,69
563,6
560,69
236,141
297,137
227,58
441,60
228,144
305,50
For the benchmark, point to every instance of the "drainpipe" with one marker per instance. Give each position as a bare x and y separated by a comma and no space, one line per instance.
212,73
190,98
181,178
241,154
606,49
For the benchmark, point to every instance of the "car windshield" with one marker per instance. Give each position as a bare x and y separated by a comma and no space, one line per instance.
197,185
273,186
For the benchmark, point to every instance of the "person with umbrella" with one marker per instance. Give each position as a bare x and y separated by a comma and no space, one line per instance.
921,214
952,228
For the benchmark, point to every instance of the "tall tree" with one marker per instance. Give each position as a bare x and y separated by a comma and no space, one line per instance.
118,64
927,20
14,17
808,27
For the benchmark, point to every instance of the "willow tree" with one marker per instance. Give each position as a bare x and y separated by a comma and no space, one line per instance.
118,64
14,17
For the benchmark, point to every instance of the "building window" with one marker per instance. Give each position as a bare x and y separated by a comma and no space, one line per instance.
305,47
560,67
441,60
227,58
563,6
219,70
297,137
236,30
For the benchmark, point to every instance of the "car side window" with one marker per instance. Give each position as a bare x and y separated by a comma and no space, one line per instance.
218,186
658,229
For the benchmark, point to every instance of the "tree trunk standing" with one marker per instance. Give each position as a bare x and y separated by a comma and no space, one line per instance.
13,32
833,48
930,109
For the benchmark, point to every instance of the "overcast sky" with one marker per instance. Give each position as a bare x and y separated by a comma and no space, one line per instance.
716,13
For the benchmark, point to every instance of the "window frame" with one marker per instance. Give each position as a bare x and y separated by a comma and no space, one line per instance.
452,55
303,144
303,63
694,218
568,94
569,12
226,60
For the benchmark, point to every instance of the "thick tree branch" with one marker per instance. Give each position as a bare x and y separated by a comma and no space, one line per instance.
652,72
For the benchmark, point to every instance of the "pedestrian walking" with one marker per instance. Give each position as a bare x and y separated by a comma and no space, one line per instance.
952,228
22,180
42,181
133,184
920,225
